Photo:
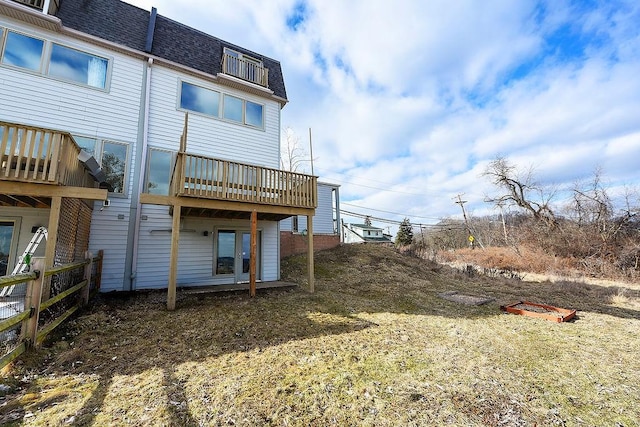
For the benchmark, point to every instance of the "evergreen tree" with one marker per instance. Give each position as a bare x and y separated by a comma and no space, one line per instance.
405,233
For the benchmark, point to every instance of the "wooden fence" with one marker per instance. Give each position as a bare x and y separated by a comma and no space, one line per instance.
31,333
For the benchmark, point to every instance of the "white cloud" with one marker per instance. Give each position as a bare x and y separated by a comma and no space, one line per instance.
417,97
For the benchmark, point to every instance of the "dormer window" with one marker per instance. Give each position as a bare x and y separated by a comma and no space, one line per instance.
244,67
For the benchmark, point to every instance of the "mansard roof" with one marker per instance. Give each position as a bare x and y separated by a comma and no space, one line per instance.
130,26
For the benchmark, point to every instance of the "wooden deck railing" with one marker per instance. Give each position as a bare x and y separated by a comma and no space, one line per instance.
39,155
210,178
246,70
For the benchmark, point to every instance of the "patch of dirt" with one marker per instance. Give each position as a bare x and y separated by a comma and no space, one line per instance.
465,299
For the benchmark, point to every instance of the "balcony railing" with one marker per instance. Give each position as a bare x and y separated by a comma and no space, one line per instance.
209,178
245,70
38,155
37,4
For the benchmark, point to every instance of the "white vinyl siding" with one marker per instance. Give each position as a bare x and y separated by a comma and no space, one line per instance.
195,251
109,228
209,136
323,218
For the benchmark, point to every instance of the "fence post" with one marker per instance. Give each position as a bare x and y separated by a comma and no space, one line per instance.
32,302
87,276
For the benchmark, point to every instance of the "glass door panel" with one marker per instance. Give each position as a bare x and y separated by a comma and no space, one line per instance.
246,251
6,235
226,246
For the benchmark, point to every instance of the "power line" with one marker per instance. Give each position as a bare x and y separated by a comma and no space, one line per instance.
395,222
389,212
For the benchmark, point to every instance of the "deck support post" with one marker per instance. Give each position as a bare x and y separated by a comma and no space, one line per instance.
252,253
173,261
310,252
50,249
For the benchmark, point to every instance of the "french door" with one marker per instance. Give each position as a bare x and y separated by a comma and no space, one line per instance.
232,249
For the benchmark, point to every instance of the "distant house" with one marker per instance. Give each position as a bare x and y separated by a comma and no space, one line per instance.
326,231
362,233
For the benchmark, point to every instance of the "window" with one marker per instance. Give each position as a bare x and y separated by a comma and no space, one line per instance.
159,171
253,116
294,224
232,108
114,159
87,144
114,164
61,62
77,66
207,101
23,51
199,99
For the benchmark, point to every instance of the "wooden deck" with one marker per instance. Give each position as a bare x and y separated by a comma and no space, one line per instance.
37,164
210,178
205,186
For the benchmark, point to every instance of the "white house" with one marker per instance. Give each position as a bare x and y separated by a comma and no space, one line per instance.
185,126
326,229
362,233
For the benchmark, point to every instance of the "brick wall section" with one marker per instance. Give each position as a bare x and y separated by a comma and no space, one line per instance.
294,243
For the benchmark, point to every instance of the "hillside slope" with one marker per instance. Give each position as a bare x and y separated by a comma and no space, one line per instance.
375,345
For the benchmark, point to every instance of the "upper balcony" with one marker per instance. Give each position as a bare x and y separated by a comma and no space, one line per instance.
33,155
205,186
245,68
48,6
211,178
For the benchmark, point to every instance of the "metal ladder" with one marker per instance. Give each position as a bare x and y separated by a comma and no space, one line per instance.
24,261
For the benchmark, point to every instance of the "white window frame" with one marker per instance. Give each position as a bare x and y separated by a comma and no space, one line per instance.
148,166
221,98
49,52
45,58
179,98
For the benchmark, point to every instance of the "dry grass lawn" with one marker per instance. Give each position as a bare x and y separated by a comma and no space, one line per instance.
374,346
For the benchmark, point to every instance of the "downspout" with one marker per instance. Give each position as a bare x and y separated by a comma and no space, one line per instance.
143,152
141,178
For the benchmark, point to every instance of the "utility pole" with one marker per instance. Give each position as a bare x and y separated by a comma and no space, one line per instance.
464,213
472,239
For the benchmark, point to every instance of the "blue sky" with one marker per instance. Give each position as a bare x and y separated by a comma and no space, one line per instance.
408,101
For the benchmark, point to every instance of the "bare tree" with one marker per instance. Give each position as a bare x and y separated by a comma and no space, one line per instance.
520,190
293,156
